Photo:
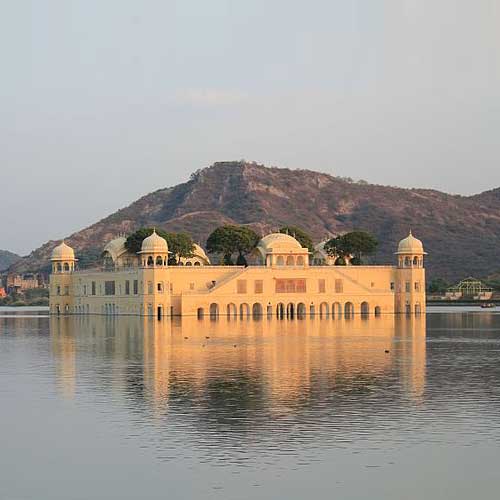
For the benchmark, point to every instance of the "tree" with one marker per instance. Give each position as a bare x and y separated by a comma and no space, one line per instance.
354,244
438,285
179,244
300,235
333,247
229,239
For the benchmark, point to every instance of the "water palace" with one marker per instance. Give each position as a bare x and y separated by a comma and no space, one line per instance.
288,282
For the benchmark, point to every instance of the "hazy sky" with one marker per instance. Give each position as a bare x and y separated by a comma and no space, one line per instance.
102,101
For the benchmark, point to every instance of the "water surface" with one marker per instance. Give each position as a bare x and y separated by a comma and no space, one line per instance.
389,407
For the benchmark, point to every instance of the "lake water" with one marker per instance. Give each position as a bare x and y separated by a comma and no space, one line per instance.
131,408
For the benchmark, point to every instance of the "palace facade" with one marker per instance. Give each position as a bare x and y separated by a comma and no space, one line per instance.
288,282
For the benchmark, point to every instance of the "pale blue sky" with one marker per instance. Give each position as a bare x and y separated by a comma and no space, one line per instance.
104,101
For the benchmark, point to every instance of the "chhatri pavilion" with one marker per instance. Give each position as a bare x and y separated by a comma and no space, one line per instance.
287,282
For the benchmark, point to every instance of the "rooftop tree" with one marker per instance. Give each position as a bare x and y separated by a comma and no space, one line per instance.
355,244
229,240
300,235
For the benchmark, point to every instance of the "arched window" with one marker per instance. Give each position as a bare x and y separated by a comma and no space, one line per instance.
407,262
200,313
150,261
257,310
280,311
280,261
290,310
348,309
197,263
231,310
159,261
365,308
336,309
323,309
59,267
214,310
377,311
244,310
188,263
300,260
290,261
415,261
301,310
66,267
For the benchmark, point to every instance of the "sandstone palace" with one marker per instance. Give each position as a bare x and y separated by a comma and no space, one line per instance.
289,282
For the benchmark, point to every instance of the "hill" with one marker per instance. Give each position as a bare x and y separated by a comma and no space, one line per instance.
7,259
460,233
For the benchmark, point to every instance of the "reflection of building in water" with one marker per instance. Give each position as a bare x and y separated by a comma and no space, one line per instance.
285,284
274,364
63,348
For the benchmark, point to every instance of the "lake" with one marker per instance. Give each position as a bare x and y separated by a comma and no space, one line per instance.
128,408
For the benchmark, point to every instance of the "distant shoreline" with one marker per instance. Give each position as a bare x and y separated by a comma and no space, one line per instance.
451,303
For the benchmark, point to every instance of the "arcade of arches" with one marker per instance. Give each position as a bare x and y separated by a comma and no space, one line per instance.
291,310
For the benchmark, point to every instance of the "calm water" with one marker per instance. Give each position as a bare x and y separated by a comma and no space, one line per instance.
129,408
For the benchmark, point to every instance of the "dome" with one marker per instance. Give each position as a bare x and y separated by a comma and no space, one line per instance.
63,252
279,242
199,252
320,248
154,244
199,257
410,245
116,247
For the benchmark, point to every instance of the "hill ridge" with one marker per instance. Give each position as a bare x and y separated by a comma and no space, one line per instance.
461,233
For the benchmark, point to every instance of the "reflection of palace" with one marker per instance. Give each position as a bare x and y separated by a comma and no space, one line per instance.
285,284
276,364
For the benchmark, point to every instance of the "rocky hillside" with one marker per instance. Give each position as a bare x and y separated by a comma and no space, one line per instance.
461,234
7,259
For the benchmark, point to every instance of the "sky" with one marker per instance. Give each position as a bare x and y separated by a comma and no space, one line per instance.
102,102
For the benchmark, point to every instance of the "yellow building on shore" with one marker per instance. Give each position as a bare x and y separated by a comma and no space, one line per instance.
283,285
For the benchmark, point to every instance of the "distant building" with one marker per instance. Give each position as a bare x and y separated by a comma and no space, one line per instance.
16,283
469,289
283,284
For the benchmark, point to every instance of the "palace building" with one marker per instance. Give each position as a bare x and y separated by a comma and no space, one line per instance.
287,282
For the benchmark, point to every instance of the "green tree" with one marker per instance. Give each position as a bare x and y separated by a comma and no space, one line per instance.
179,244
300,235
438,285
229,239
333,248
355,244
